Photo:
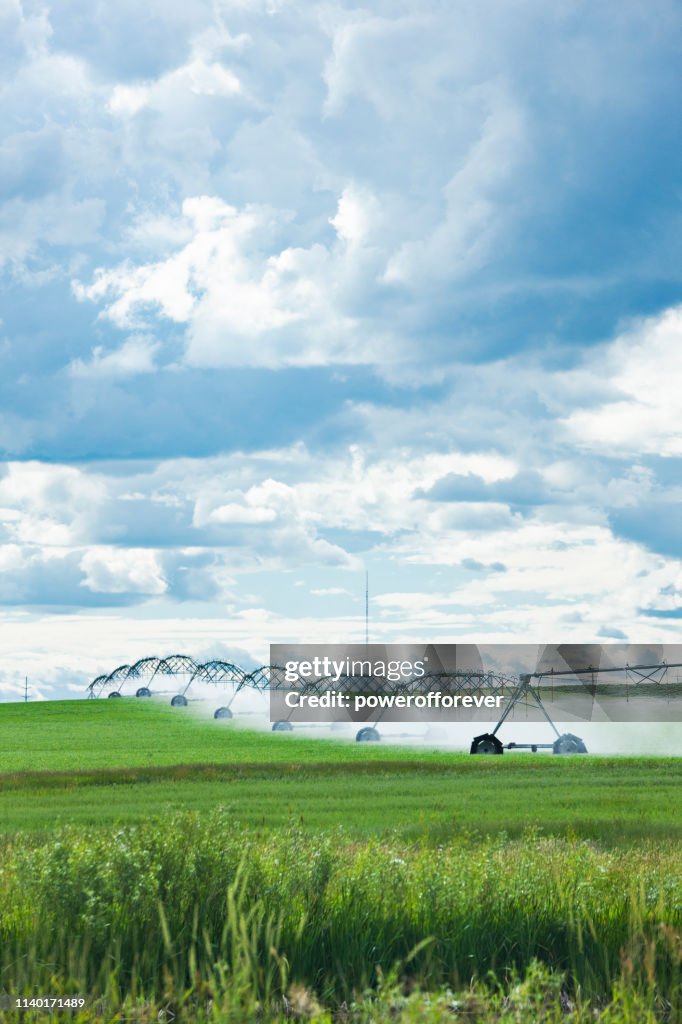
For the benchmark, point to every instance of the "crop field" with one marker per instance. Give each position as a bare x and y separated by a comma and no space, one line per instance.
152,861
106,762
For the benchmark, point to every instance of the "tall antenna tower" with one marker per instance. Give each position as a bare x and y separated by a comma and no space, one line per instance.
366,607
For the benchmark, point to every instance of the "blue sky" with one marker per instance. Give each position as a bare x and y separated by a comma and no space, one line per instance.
293,290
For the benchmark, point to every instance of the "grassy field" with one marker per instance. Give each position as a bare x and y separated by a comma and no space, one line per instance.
168,910
155,861
103,762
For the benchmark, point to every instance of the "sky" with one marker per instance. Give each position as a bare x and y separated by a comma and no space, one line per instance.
292,291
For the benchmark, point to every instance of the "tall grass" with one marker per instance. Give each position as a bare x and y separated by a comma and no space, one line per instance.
199,908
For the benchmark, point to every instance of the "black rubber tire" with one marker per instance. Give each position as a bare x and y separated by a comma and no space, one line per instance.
282,727
222,713
368,735
179,701
114,693
143,691
486,744
569,744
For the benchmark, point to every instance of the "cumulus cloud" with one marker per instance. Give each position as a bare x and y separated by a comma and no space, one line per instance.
640,376
136,355
24,226
198,78
297,289
429,144
214,522
233,513
116,571
48,505
241,306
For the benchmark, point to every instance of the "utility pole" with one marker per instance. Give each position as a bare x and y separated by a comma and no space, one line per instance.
25,689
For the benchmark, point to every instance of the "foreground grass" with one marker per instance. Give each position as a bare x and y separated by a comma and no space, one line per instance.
538,997
129,761
204,918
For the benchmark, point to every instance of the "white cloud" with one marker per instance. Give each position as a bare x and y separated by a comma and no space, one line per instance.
640,375
198,78
24,226
241,307
136,355
472,216
370,56
210,260
48,505
116,571
356,215
380,180
234,513
563,576
33,30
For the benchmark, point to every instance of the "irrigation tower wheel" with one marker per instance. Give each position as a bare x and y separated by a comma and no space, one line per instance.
179,701
143,691
569,744
368,735
222,713
486,744
114,693
282,727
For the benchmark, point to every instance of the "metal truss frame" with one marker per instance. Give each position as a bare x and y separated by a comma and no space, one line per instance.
528,694
525,689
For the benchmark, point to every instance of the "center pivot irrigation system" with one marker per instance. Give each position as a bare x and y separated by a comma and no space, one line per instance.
529,695
154,676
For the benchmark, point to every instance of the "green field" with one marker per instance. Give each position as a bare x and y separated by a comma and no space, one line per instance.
102,762
152,859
